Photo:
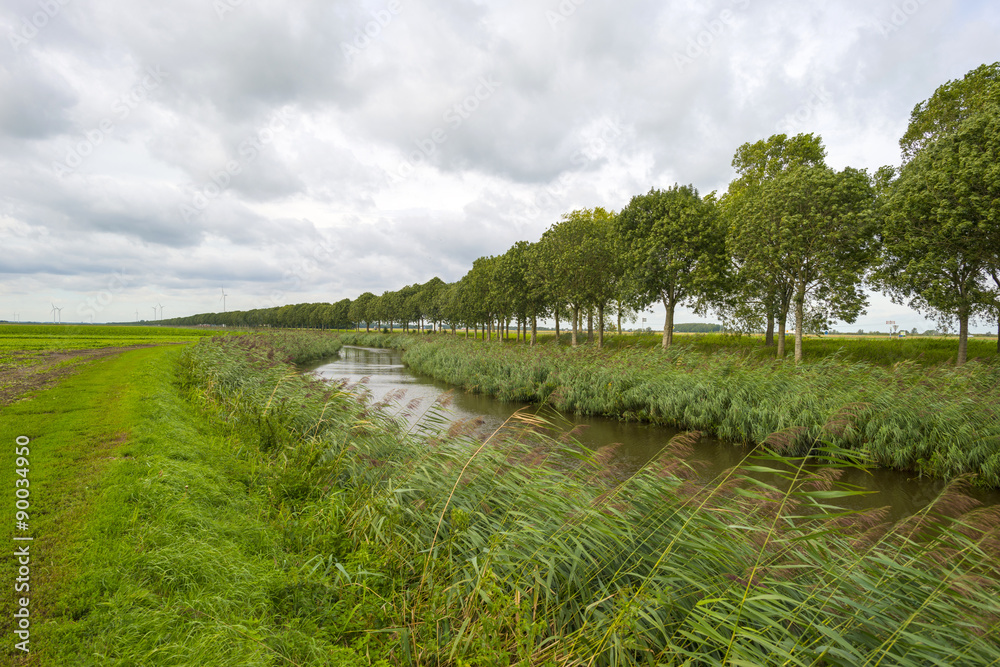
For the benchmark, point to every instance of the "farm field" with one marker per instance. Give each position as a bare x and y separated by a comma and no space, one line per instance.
34,356
204,504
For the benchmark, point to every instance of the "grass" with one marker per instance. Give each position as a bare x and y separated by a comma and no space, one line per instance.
211,506
940,421
876,350
518,549
25,343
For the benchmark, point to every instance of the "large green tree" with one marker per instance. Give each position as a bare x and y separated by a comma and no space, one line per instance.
813,227
941,215
359,310
755,292
673,249
583,267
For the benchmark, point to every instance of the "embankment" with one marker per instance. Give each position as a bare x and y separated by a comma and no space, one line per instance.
938,421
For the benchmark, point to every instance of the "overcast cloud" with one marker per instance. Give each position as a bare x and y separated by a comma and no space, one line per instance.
311,150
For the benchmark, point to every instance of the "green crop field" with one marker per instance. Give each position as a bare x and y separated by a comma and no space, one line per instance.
86,337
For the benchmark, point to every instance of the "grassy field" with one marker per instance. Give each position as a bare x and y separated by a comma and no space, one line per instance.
207,505
52,337
457,551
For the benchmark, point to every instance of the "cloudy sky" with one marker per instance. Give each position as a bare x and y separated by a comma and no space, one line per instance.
152,152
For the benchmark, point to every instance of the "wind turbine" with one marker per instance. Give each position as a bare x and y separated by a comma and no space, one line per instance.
137,316
154,313
161,310
223,299
56,312
59,312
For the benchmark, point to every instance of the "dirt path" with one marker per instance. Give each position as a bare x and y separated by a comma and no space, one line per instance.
45,369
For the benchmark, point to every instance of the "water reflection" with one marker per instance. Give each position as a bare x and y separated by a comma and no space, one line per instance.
382,373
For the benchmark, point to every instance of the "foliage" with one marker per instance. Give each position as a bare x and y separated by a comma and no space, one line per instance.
941,215
813,227
514,549
755,291
672,249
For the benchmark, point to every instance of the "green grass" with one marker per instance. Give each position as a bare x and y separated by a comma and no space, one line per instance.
24,343
211,506
517,549
877,350
155,543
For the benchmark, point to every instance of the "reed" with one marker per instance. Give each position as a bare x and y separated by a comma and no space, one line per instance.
939,421
520,548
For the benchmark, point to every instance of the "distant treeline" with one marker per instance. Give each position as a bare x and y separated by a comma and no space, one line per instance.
298,316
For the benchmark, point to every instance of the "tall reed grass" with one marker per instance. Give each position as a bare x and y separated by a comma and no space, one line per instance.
939,421
517,548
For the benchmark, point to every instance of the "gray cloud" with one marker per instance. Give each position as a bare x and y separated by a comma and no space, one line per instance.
414,137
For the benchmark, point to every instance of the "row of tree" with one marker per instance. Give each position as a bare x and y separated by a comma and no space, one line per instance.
791,237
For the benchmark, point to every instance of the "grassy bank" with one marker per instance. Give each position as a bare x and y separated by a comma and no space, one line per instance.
458,551
926,351
210,506
156,539
940,421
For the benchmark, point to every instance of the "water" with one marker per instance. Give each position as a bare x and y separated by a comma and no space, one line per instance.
382,372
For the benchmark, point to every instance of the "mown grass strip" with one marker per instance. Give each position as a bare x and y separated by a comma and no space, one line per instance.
155,542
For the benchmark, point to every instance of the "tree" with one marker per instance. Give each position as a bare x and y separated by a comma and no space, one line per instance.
581,264
949,106
430,304
813,227
942,213
360,309
753,290
673,249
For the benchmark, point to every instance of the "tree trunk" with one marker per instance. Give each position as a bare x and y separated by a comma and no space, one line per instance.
781,335
769,334
963,338
600,326
668,325
799,324
619,317
576,324
557,325
590,325
998,334
534,329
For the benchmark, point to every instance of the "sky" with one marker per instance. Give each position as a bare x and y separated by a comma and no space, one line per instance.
155,154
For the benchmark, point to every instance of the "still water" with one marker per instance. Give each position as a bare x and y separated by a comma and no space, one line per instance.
382,372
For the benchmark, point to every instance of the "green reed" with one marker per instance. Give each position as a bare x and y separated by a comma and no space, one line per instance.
517,548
